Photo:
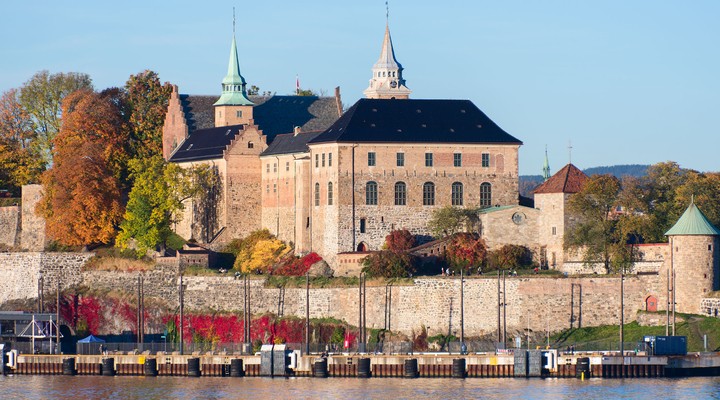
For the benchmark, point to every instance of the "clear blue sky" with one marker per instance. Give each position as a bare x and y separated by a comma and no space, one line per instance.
627,82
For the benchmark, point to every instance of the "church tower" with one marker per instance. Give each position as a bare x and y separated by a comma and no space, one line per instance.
233,107
387,81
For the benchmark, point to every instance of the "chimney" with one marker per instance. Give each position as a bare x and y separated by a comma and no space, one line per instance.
296,131
338,102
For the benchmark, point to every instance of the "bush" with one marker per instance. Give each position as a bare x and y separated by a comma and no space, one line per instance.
510,256
400,240
466,251
297,266
390,264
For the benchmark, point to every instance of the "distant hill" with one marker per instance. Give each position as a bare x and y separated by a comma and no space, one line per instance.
529,182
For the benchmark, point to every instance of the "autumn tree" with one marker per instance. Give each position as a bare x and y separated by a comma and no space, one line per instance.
82,195
147,101
400,240
509,256
594,228
42,98
466,251
21,163
703,188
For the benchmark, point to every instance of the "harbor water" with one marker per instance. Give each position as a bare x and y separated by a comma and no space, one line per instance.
118,387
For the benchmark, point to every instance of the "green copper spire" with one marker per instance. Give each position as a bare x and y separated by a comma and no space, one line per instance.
693,222
546,166
233,85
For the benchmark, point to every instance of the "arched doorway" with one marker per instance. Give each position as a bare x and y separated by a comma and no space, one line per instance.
362,247
651,303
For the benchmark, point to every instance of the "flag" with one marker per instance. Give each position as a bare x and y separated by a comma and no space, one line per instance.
297,85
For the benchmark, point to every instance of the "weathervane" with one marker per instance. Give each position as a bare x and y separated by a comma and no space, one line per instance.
233,21
570,151
387,11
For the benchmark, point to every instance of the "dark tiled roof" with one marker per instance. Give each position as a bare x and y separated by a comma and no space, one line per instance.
274,115
415,121
281,114
205,144
290,143
568,180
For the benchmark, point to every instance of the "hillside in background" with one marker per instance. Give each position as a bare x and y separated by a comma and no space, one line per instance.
529,182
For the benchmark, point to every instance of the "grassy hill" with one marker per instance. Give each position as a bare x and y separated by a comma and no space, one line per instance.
607,337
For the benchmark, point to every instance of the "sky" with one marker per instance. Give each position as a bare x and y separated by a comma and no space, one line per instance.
597,83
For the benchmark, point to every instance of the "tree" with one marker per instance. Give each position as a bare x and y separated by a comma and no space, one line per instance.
594,228
510,256
390,264
662,182
42,98
82,195
156,199
253,90
703,189
147,101
400,240
449,220
466,251
21,164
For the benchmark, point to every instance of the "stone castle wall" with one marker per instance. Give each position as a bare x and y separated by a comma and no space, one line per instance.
10,226
542,302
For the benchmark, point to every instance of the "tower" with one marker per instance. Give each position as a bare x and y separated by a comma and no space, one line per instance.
233,107
694,258
546,167
387,81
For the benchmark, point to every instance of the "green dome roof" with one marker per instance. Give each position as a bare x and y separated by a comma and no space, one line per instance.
693,222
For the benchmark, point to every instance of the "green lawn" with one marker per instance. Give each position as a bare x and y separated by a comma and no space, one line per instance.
607,337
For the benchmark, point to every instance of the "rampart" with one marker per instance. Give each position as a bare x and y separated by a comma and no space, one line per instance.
542,303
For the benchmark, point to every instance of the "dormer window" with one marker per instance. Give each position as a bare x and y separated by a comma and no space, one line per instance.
238,113
250,145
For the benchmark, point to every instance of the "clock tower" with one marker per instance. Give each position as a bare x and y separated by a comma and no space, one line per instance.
387,81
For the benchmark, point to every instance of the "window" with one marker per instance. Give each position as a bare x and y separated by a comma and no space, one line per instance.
485,195
287,166
485,160
371,159
330,194
267,188
457,159
323,159
554,230
400,194
329,159
428,194
274,187
250,145
362,225
400,159
238,113
371,193
267,168
428,159
274,167
317,194
317,160
457,194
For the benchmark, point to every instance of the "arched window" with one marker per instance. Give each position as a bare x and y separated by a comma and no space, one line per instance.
330,194
317,194
250,145
457,194
400,194
485,194
428,194
371,193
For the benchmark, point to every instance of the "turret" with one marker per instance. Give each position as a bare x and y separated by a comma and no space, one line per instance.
233,107
387,81
694,259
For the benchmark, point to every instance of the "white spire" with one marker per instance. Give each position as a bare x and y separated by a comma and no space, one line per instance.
387,80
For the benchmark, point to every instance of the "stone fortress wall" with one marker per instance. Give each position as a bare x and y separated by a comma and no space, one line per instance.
541,303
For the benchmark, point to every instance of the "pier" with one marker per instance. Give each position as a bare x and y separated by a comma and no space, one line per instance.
525,364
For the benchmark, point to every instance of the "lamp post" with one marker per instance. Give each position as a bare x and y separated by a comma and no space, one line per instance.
307,313
462,308
182,314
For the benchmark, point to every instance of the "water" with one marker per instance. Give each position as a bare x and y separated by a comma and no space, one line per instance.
99,387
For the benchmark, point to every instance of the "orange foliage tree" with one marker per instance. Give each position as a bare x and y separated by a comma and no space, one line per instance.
82,199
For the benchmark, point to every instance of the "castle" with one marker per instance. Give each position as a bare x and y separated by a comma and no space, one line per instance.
338,181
